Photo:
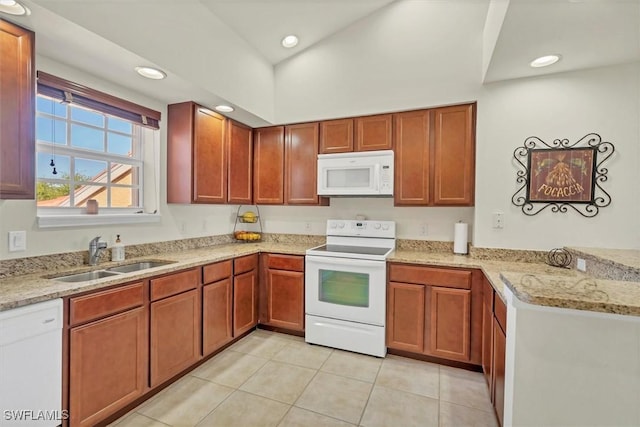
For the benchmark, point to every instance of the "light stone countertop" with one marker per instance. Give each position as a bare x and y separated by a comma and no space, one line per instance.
535,283
629,258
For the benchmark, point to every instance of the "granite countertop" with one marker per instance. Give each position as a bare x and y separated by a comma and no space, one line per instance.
531,282
626,258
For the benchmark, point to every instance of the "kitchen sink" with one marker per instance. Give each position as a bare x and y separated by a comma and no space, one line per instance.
128,268
83,277
112,271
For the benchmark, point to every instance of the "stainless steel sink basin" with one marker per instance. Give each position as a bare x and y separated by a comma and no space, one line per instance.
128,268
84,277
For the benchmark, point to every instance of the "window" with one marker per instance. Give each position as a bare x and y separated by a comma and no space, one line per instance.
91,145
84,154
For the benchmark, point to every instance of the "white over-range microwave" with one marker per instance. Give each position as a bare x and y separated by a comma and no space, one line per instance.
367,173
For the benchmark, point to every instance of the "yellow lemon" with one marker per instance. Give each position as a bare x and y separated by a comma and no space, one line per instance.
249,217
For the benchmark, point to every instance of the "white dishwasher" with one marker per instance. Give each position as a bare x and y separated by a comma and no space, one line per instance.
31,365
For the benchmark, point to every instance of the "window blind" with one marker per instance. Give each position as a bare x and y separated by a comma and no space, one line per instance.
67,91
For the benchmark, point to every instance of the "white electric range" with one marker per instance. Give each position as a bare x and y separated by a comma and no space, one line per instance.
345,286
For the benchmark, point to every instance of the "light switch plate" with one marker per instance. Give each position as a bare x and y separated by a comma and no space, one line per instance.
17,241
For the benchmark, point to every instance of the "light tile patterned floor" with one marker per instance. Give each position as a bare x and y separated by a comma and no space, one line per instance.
271,379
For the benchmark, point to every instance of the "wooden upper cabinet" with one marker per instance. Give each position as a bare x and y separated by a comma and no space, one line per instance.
373,133
412,158
336,136
454,155
17,120
301,164
196,155
240,158
268,165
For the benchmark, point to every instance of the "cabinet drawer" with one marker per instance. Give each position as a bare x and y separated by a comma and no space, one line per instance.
245,263
500,311
214,272
174,284
430,276
101,304
285,262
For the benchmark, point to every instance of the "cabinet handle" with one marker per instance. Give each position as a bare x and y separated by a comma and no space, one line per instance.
49,320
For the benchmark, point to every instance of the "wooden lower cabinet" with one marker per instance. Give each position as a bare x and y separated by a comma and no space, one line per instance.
285,293
107,365
487,332
217,325
245,300
494,341
405,316
435,312
499,350
449,323
175,335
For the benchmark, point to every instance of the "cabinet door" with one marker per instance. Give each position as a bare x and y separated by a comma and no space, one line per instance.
175,335
336,136
499,350
405,316
209,157
449,323
217,328
240,155
17,103
301,160
268,166
373,133
108,366
454,156
411,147
285,299
487,332
245,298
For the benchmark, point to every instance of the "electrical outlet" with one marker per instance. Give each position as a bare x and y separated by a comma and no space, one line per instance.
307,226
581,264
498,220
17,241
423,229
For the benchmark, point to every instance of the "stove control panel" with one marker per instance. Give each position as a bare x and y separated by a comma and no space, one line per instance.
352,227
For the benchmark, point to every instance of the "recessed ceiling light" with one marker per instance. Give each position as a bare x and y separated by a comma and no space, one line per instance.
224,108
151,73
545,61
290,41
12,7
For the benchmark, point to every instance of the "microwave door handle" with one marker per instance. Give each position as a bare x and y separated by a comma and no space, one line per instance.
376,176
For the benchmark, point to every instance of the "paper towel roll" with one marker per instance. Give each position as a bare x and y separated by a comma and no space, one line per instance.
460,237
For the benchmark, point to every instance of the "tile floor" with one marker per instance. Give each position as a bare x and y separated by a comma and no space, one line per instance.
271,379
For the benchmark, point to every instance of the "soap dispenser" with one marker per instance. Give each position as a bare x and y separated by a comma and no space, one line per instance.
117,251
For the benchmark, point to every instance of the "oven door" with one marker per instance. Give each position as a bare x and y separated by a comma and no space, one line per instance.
346,289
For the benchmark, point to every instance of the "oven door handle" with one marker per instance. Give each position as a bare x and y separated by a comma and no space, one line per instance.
349,262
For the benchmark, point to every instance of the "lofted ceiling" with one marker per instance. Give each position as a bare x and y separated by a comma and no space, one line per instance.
226,51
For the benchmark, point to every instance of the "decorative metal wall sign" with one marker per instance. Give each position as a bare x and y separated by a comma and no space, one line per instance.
562,175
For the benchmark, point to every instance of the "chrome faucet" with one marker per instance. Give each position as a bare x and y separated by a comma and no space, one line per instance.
95,249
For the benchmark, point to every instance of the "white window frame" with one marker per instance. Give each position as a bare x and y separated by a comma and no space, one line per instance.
147,196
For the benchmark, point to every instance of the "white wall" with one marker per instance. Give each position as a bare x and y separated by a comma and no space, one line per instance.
373,67
566,105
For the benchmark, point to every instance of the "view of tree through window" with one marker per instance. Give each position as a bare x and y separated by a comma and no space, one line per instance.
84,154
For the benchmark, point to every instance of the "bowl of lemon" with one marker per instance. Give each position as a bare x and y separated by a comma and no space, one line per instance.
249,217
